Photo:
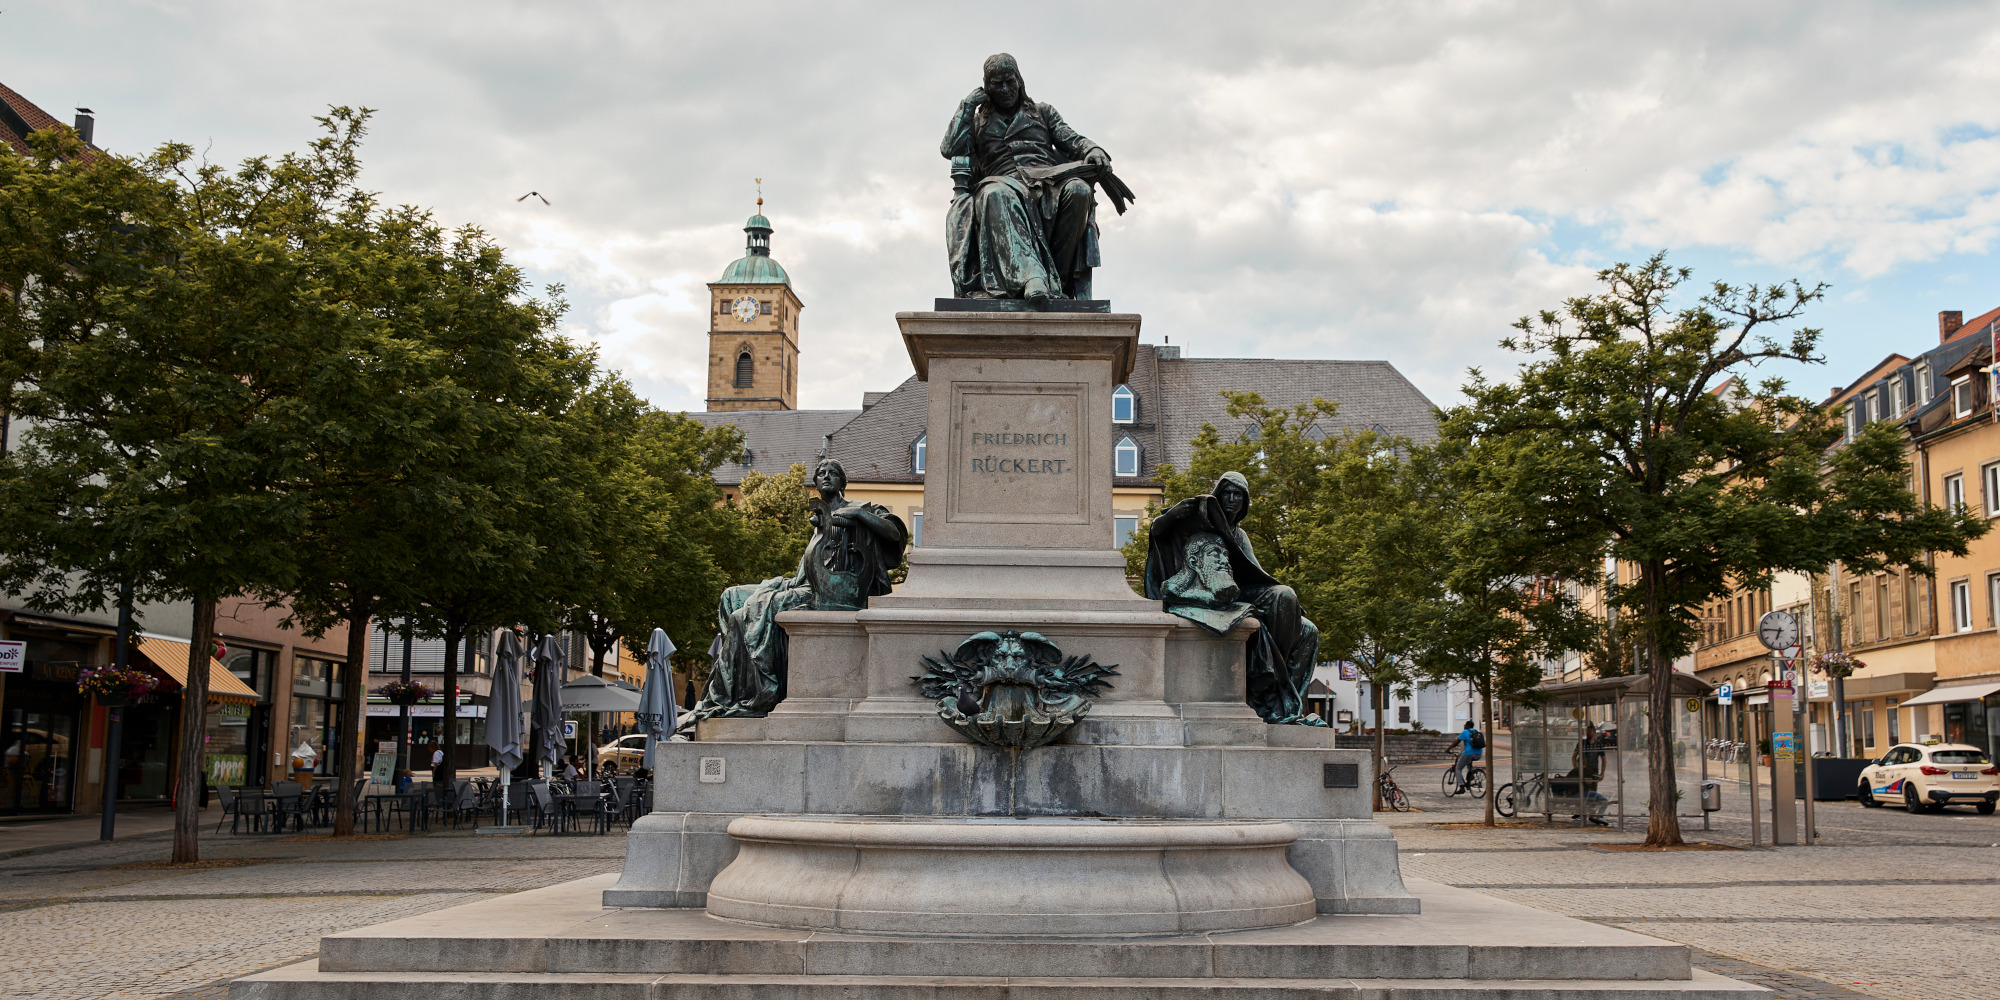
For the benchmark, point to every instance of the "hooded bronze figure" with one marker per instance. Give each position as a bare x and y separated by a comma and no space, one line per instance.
1201,565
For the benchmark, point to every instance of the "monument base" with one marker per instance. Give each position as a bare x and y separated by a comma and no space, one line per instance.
1010,877
558,943
1349,860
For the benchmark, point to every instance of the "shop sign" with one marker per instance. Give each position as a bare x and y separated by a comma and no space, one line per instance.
425,711
1348,670
384,767
13,656
233,710
1819,689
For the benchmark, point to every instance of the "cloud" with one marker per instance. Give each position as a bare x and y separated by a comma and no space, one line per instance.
1358,180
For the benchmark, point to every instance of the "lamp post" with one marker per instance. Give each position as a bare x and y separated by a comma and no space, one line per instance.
114,717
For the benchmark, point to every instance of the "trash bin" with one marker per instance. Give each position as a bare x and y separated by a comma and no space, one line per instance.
1711,795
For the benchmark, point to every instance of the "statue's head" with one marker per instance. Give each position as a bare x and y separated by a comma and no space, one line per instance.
1004,89
829,478
1234,493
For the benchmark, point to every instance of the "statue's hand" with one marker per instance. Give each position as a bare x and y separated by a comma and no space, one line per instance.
1098,157
974,99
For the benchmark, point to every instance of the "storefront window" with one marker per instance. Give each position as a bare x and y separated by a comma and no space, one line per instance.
38,732
254,667
225,754
315,722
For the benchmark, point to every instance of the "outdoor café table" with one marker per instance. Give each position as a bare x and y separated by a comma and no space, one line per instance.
411,807
572,807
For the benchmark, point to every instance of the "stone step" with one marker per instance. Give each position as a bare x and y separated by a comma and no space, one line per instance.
306,982
561,930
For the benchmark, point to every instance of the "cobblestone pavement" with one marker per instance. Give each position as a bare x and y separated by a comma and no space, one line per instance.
1887,905
83,923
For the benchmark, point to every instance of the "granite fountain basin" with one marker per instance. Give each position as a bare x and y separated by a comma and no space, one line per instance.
1010,877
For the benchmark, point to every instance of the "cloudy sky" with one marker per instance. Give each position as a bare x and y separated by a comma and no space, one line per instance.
1316,180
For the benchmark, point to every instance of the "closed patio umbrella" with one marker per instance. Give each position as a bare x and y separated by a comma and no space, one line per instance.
658,716
504,732
550,661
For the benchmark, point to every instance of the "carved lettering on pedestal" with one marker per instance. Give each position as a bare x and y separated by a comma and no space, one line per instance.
1019,453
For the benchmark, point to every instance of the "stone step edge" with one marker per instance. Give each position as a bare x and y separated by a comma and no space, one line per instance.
1655,961
305,980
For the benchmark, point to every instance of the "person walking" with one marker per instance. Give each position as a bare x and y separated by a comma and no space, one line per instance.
1471,746
437,765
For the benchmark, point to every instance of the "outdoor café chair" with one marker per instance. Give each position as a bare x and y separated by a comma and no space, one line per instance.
288,804
238,807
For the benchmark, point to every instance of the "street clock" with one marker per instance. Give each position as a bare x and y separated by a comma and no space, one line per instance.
1778,630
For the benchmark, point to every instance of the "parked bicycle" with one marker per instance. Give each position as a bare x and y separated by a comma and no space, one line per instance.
1525,796
1392,796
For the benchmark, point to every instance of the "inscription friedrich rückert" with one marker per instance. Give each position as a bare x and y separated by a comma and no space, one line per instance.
994,463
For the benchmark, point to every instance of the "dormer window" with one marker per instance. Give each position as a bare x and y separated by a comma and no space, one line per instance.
917,449
1961,396
1897,404
1123,405
1922,378
1125,457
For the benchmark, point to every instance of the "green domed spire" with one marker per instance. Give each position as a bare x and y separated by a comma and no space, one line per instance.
756,267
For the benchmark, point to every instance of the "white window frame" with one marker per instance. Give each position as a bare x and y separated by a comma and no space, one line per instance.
1126,446
1957,410
1855,418
1874,401
1897,404
1123,395
1922,377
919,452
1989,487
1954,490
1993,598
916,528
1961,605
1123,524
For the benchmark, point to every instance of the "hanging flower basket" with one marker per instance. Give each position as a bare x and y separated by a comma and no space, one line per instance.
404,692
113,687
1836,665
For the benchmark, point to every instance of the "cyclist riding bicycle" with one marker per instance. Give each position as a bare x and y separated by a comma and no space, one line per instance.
1471,745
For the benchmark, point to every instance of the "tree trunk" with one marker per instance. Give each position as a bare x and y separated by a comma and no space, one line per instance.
189,791
1375,694
347,765
448,775
1492,742
1663,822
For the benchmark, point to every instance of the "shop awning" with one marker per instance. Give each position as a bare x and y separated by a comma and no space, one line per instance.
170,657
1961,692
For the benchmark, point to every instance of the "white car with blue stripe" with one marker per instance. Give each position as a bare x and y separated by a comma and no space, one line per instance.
1931,777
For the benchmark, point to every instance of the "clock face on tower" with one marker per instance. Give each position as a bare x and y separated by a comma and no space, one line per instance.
745,309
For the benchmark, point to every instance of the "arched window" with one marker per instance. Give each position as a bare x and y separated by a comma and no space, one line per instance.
1125,457
917,449
746,370
1123,405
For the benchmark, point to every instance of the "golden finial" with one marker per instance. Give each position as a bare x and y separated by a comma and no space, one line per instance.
760,196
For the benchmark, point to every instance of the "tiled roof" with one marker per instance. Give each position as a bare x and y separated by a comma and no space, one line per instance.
776,438
1175,397
1371,394
875,446
19,116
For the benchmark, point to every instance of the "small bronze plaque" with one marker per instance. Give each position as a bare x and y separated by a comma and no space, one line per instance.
1343,775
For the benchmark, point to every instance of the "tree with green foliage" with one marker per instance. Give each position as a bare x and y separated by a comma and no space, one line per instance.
1648,440
162,320
1504,605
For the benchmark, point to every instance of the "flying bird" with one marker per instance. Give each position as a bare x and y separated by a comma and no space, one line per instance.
532,194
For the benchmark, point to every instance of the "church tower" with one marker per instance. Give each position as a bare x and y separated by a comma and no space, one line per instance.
753,329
